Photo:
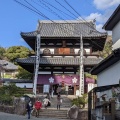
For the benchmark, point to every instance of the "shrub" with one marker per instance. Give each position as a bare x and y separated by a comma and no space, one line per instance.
7,92
80,101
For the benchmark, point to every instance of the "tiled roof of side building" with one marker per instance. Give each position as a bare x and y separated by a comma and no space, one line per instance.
16,80
61,61
71,28
113,20
107,62
8,65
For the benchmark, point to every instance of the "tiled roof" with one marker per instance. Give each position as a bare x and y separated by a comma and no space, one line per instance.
60,61
8,65
71,28
107,62
113,20
17,80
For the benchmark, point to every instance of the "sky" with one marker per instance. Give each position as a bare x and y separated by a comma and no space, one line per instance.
16,18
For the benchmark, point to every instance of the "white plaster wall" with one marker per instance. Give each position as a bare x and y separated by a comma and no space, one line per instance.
109,76
76,50
51,50
87,50
40,72
21,85
116,32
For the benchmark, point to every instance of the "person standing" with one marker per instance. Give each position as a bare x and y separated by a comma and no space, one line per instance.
38,106
59,101
52,93
66,89
58,90
29,107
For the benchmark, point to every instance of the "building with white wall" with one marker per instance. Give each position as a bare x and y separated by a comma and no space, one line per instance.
105,99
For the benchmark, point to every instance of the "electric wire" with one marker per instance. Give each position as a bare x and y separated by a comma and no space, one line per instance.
70,24
57,9
80,15
46,17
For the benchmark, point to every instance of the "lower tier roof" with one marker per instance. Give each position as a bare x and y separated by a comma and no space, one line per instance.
28,63
59,61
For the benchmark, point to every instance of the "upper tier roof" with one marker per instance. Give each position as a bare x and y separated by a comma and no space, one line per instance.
71,29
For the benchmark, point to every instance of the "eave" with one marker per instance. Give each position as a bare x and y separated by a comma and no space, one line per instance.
107,62
28,63
113,20
100,39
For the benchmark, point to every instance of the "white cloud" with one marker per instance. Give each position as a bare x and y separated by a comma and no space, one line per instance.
93,16
104,4
100,18
99,27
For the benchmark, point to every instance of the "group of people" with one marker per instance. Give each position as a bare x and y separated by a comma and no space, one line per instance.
37,106
46,101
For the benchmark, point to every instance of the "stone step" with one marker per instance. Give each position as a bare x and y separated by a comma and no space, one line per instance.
61,114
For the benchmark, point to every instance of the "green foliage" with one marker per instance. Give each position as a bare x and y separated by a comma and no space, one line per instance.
2,52
23,74
5,99
107,49
16,52
80,101
8,91
11,89
88,75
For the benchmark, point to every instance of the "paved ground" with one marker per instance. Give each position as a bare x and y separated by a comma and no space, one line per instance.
6,116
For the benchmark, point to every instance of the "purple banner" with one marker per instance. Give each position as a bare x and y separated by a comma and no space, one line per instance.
66,79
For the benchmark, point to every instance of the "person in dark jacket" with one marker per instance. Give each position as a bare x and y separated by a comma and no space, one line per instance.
29,108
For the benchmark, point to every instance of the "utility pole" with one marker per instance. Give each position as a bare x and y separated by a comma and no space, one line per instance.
37,58
81,82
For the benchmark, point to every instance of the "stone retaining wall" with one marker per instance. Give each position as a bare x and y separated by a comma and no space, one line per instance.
19,107
7,109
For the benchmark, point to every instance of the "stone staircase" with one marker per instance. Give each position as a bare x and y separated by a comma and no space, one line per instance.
52,110
53,113
66,102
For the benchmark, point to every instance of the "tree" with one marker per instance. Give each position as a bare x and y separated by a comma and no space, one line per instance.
88,75
17,52
2,52
107,49
23,74
7,92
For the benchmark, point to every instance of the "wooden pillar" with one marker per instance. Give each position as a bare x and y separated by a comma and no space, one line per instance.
113,109
63,43
74,89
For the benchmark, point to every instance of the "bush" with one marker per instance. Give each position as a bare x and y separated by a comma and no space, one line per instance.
6,99
7,92
80,101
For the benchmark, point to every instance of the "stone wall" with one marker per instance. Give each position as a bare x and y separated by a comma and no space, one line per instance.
19,107
7,109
